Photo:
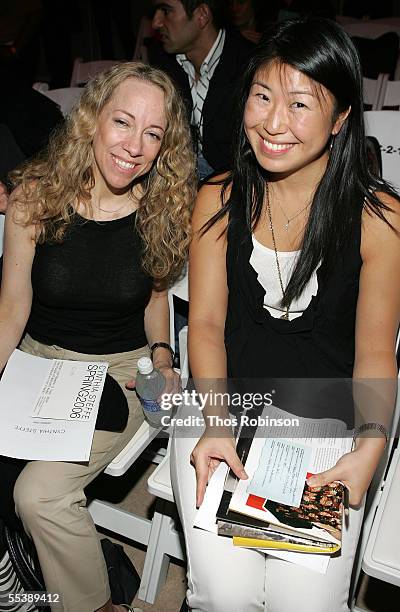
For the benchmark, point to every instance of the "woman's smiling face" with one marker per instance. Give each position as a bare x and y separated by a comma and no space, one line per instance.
129,132
289,120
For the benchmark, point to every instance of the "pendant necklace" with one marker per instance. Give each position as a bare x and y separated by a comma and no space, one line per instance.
285,315
290,219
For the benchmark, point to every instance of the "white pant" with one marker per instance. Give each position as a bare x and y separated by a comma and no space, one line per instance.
224,578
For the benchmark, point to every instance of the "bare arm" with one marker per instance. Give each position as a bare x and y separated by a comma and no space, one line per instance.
156,323
207,289
207,313
16,289
375,368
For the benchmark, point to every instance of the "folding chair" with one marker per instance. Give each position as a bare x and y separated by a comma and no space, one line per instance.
377,55
66,97
108,515
145,31
382,556
390,95
159,534
378,552
165,541
1,233
385,126
181,291
82,72
372,91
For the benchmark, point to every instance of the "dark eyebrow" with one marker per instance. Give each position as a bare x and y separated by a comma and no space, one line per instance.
162,5
121,110
308,93
261,84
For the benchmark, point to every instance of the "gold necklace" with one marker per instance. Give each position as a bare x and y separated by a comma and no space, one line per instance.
285,316
131,200
110,212
290,219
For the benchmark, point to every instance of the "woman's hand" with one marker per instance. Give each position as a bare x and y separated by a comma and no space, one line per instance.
355,470
172,379
208,453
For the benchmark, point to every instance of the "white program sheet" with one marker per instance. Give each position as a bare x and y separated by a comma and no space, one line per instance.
48,407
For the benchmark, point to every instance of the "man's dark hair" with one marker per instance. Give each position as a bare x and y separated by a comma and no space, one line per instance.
217,8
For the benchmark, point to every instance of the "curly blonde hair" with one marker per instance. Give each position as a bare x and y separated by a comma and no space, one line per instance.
63,174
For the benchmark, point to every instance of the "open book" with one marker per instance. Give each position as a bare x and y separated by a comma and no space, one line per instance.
275,508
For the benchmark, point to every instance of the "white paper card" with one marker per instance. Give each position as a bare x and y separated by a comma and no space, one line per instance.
51,434
84,382
281,471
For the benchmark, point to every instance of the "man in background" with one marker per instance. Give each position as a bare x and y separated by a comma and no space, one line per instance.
205,60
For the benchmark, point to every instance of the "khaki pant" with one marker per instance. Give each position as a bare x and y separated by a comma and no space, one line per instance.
50,500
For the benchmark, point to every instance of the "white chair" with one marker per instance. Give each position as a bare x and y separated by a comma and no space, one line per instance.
165,541
390,94
40,86
82,72
145,31
370,29
66,97
376,555
397,70
392,21
159,534
382,556
137,528
379,550
385,126
179,290
345,20
1,233
372,90
183,355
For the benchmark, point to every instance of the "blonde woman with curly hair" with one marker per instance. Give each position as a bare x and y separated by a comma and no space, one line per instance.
96,230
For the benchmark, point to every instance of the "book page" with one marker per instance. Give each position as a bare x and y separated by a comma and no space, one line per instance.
281,471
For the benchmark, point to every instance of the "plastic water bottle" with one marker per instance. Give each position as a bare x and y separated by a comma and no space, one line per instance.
150,384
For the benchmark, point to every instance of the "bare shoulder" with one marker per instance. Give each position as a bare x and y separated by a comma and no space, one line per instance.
210,199
381,233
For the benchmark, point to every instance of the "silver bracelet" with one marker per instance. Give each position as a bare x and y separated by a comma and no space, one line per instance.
371,427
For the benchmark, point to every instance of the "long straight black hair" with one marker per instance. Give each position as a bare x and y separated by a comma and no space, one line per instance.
320,49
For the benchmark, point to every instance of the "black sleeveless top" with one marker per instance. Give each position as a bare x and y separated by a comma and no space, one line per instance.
90,292
319,344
